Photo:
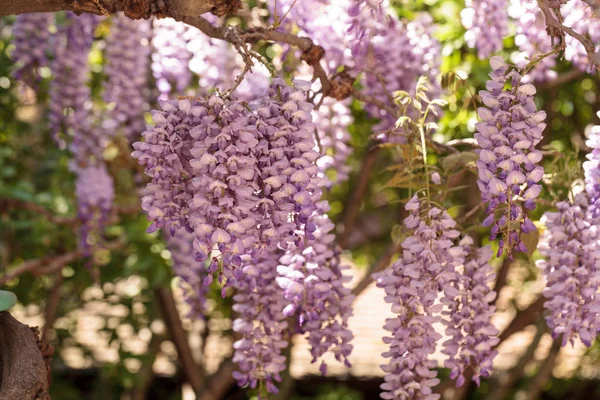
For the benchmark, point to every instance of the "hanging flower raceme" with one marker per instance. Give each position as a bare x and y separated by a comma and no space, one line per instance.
570,246
332,121
509,130
95,194
313,280
472,335
170,56
592,170
241,180
487,24
70,95
127,54
412,286
416,53
31,37
190,272
264,328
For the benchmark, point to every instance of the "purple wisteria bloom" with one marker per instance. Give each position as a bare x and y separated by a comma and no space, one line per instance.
416,53
264,328
95,194
592,170
509,130
313,281
170,56
472,335
70,95
571,247
241,180
580,16
127,54
486,22
31,37
412,286
532,39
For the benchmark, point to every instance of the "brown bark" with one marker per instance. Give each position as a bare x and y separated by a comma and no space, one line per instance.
178,335
24,361
133,8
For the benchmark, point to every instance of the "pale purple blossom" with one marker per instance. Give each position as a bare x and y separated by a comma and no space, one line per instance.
570,246
472,335
486,22
31,40
95,194
427,266
592,170
261,323
170,56
509,173
128,56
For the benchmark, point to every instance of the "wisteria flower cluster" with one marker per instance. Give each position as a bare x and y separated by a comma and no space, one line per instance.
412,286
509,130
241,180
127,54
70,96
487,24
571,265
245,184
31,36
416,53
592,170
262,324
95,195
170,58
435,277
313,283
472,335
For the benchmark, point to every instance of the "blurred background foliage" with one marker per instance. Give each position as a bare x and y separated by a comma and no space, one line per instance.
35,172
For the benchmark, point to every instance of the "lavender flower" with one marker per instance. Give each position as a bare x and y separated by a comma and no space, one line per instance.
332,121
412,286
313,281
509,130
416,53
170,58
532,39
95,194
486,22
70,95
127,53
243,181
581,18
472,336
572,270
263,327
592,170
31,36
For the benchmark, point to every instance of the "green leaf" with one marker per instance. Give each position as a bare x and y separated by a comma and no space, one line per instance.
530,240
7,300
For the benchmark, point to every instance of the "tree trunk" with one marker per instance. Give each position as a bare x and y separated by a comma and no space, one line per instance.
24,361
